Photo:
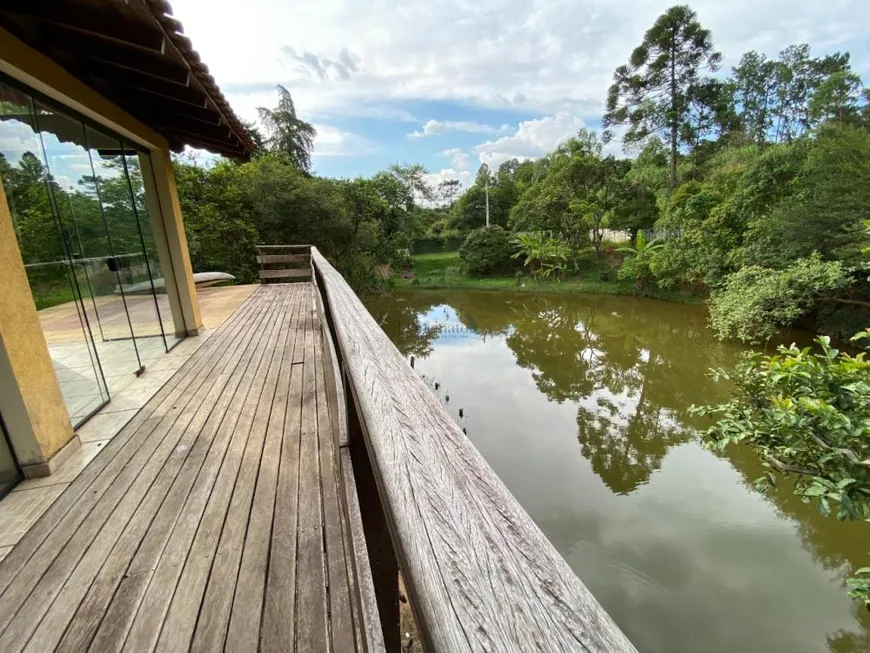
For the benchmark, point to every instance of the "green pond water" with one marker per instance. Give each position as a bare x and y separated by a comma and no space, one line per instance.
580,404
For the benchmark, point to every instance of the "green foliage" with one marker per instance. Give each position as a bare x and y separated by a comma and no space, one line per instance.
757,302
807,414
543,254
486,250
656,91
823,198
578,193
444,242
357,224
288,133
639,258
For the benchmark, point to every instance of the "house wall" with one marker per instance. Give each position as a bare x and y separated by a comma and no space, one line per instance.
30,398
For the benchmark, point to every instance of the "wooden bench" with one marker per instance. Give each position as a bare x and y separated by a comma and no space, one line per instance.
280,263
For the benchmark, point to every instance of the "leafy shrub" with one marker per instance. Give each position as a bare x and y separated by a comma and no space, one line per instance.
543,253
486,250
806,412
757,302
637,262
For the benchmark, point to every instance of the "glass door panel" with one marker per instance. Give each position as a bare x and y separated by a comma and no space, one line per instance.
33,194
9,473
159,270
127,238
84,228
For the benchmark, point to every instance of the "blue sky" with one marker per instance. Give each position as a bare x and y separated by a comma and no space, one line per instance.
452,84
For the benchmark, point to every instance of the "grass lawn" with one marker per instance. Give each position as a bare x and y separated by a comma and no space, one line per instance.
443,270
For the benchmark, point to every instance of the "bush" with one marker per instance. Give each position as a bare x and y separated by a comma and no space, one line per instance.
806,412
486,250
757,302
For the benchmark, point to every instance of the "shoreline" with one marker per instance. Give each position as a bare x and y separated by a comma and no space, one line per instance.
440,272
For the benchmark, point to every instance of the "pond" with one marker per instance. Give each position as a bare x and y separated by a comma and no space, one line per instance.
581,405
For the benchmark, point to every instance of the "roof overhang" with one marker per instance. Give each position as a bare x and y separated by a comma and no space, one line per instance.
133,53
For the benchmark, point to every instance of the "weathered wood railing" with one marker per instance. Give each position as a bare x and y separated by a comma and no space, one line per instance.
479,573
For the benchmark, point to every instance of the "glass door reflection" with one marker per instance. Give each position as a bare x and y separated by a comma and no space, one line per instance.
90,242
33,195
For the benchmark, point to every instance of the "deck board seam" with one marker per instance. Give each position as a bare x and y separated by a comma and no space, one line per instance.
251,359
270,351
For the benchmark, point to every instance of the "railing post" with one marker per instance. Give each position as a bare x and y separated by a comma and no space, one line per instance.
384,566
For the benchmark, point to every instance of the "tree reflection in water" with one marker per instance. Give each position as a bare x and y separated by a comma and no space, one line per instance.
632,368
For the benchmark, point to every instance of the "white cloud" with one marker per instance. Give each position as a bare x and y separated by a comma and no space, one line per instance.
458,158
465,177
533,139
331,141
340,57
440,127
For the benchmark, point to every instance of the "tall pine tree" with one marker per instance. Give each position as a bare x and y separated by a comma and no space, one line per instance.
655,92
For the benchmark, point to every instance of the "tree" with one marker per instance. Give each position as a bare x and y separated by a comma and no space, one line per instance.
447,191
836,98
287,132
654,93
413,178
635,202
638,260
256,134
486,250
575,196
755,93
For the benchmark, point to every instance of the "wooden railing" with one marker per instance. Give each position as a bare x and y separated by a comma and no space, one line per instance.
480,574
283,262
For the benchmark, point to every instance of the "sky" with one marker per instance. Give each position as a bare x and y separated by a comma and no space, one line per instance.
453,84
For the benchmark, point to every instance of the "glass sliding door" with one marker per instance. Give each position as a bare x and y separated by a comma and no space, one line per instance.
78,205
59,290
90,240
127,237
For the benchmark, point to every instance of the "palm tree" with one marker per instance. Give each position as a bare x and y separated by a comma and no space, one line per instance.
287,132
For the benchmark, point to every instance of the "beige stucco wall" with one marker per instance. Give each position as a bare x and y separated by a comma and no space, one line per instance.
30,397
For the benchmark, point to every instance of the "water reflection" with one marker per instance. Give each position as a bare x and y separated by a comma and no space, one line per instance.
673,540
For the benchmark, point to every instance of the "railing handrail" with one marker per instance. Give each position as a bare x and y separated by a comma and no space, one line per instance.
480,574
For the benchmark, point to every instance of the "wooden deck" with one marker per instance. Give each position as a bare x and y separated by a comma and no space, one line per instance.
215,520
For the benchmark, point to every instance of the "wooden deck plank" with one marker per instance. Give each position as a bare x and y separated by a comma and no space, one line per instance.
311,627
244,624
61,551
339,605
176,580
89,485
279,606
215,522
208,448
